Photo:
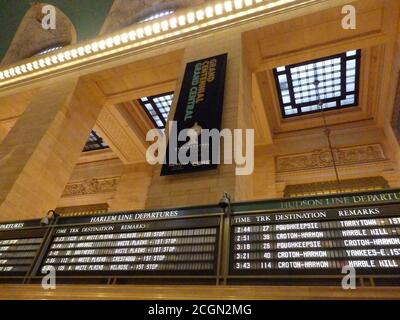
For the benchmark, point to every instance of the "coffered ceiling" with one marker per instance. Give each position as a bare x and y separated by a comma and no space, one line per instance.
320,35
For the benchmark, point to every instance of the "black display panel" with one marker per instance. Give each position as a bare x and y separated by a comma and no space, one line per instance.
163,247
317,242
200,105
20,243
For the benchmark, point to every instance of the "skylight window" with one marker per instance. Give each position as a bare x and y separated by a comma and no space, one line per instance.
158,15
333,80
157,108
95,142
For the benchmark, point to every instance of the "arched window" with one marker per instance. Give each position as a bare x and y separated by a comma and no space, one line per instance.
157,15
49,49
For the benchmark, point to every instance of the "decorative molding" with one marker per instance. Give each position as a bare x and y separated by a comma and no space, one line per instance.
82,210
124,13
322,158
331,187
179,26
91,186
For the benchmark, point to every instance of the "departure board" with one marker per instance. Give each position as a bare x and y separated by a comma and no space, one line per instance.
19,244
317,242
164,247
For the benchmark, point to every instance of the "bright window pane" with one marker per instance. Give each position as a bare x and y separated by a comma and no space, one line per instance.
330,80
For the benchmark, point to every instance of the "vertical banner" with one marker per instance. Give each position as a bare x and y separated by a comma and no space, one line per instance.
199,108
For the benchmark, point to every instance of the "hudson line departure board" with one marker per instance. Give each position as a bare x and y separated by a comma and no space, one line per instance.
174,246
19,245
317,242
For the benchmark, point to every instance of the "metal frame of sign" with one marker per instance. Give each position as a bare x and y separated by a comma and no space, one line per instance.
202,110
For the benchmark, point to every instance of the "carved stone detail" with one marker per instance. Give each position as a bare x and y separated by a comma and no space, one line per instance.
82,210
91,186
322,158
332,187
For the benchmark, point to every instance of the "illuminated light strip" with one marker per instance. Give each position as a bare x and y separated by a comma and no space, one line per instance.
212,14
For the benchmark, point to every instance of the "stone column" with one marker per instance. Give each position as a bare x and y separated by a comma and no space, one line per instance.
207,187
39,154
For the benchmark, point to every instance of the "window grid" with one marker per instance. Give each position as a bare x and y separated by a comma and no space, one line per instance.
338,87
95,142
157,108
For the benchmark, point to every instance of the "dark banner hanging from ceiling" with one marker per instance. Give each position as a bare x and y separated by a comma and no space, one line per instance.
199,107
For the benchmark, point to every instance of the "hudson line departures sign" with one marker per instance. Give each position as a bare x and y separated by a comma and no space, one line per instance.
317,242
199,107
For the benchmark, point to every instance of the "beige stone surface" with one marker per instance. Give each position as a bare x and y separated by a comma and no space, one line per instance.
133,187
40,152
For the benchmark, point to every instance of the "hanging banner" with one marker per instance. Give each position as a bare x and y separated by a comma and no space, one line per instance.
199,108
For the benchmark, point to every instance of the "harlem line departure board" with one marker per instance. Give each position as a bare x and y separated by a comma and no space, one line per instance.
317,242
19,245
163,247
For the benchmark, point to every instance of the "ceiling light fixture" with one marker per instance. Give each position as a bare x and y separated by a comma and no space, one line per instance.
202,18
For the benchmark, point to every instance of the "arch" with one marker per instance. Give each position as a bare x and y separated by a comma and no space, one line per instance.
31,38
